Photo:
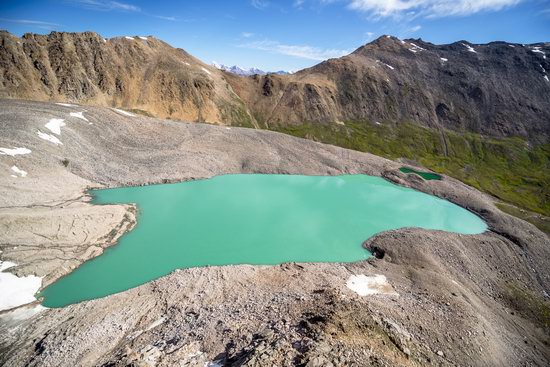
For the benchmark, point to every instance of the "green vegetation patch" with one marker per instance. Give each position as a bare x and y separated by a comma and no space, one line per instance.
425,175
508,168
527,303
540,221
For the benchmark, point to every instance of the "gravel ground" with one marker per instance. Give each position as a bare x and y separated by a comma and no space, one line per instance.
478,300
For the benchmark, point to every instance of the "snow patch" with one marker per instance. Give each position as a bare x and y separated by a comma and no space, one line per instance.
49,138
537,50
216,363
17,291
104,40
79,115
383,63
186,63
377,123
20,172
65,104
470,48
206,71
14,151
368,285
416,48
143,38
55,126
125,113
546,78
129,38
512,46
6,265
443,59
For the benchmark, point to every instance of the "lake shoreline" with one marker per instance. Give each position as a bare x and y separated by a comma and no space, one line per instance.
449,297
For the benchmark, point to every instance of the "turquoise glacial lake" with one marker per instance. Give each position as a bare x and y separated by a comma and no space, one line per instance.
251,219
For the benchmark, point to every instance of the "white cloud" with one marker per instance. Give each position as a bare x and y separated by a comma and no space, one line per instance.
172,19
247,34
298,3
416,28
106,5
301,51
259,4
428,8
36,23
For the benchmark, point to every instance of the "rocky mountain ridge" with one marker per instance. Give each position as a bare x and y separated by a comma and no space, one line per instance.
141,73
498,89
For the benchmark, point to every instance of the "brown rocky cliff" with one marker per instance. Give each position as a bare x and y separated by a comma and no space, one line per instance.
131,72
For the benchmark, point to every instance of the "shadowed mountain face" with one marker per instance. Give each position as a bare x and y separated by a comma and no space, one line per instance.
134,72
496,89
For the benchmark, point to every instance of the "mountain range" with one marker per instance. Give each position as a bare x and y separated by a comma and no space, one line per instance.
247,72
478,112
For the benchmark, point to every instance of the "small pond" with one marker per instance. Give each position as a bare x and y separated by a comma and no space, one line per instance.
425,175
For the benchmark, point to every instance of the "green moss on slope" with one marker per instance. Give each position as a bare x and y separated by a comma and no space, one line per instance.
507,168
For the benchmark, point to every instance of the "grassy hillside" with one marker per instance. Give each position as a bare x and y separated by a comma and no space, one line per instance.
508,168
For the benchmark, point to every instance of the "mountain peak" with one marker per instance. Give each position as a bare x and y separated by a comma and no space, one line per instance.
237,70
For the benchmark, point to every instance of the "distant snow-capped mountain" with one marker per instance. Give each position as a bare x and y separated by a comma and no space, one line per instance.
246,72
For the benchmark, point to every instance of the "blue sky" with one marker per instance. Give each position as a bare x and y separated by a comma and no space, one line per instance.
290,34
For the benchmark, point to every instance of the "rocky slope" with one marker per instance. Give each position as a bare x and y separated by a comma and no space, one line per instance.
479,300
140,73
499,89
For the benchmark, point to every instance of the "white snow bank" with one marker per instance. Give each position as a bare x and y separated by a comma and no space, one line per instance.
49,138
546,78
65,104
20,172
470,48
129,38
125,113
143,38
78,115
206,71
16,291
55,126
367,285
6,265
443,59
14,151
